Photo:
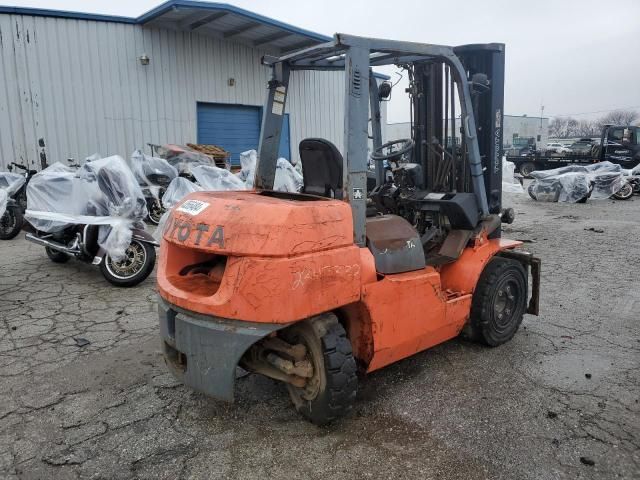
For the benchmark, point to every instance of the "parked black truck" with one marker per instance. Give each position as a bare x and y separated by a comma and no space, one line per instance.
618,144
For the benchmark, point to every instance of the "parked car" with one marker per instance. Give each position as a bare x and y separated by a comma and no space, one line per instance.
557,148
582,146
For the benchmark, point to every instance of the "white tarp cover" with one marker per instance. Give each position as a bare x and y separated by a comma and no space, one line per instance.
182,158
3,202
212,178
10,183
216,179
509,182
631,172
576,182
178,189
101,192
288,179
150,170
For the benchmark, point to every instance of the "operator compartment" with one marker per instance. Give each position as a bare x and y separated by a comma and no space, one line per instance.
267,250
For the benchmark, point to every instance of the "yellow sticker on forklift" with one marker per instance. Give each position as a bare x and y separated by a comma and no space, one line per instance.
193,207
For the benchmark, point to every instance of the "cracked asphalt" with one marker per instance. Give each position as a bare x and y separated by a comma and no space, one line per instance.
558,401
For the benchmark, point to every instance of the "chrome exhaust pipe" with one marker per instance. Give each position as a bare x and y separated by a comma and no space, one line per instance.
52,245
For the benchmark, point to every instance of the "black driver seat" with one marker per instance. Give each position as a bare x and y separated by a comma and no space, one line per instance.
321,168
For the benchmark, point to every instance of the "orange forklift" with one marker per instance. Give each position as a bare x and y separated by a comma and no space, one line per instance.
312,288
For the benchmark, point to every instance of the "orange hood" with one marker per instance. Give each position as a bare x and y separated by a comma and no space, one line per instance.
265,224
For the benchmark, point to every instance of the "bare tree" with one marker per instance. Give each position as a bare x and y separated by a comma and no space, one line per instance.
572,127
618,117
558,127
567,127
588,128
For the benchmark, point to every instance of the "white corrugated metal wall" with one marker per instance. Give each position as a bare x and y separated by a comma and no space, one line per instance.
78,84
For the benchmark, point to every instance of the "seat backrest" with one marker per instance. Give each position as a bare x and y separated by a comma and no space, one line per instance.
321,168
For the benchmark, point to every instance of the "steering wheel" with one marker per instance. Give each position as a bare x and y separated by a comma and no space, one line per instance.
378,153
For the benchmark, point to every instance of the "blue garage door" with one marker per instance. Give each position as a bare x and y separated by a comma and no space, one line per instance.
236,128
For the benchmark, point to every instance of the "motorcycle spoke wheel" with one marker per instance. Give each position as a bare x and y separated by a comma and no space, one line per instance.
133,262
7,222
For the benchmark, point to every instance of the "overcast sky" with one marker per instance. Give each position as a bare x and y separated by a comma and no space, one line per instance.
579,57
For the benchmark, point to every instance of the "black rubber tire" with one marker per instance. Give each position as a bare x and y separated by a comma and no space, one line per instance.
530,190
56,256
328,344
12,216
500,278
140,276
154,212
625,193
586,197
526,168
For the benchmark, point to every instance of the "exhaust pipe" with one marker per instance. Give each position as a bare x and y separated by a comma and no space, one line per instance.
52,245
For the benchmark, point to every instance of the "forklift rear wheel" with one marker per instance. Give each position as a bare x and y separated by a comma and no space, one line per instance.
331,391
499,302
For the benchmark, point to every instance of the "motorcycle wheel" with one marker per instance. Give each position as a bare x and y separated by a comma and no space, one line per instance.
11,223
140,258
56,256
155,213
625,193
526,168
587,196
531,189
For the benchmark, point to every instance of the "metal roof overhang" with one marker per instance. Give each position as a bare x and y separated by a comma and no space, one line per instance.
227,22
218,20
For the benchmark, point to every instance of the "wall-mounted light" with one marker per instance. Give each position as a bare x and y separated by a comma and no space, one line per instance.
231,82
144,59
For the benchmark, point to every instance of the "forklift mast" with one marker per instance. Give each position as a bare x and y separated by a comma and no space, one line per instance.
439,133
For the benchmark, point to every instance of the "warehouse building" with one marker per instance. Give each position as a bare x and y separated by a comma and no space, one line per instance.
516,129
187,71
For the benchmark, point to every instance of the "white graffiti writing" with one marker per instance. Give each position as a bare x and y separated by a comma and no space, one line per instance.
326,273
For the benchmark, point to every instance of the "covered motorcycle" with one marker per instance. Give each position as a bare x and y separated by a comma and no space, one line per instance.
93,213
3,202
183,158
577,183
212,178
10,209
154,175
287,179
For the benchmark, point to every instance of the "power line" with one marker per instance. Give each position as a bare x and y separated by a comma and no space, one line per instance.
591,113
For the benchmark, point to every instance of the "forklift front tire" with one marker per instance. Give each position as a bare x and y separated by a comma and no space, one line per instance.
331,392
499,302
